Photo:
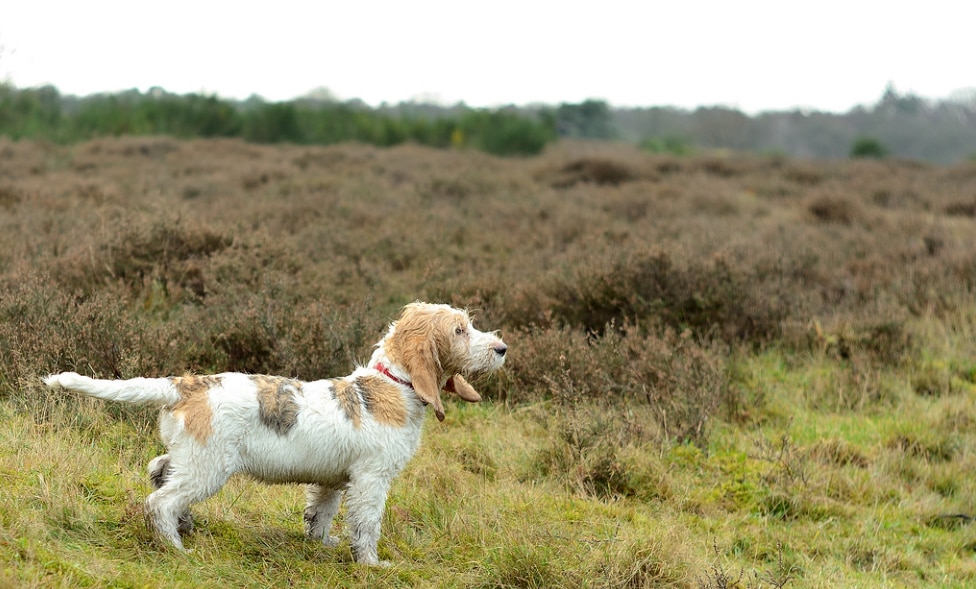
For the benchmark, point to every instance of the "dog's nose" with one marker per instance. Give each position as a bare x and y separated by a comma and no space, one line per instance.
500,349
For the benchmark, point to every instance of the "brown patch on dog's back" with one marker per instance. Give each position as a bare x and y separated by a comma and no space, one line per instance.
276,402
347,395
194,407
383,400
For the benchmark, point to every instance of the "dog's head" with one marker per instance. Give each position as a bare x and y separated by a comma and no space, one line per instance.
438,346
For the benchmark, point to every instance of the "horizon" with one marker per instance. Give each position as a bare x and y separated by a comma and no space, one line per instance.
753,56
324,94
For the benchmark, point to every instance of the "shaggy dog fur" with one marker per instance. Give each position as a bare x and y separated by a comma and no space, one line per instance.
349,435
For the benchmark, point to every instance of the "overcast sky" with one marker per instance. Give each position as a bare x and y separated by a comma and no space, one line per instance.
751,54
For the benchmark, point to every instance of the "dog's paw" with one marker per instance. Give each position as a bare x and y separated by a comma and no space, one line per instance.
185,526
330,541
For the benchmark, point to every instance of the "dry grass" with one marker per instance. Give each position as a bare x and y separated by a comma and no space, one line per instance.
725,372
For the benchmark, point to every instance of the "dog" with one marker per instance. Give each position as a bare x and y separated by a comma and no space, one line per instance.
342,436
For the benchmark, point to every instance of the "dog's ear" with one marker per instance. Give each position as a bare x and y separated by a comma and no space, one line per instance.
421,362
413,345
460,387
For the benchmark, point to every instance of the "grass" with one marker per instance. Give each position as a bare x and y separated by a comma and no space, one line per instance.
820,500
724,372
841,499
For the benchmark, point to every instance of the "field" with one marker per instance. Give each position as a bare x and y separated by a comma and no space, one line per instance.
724,371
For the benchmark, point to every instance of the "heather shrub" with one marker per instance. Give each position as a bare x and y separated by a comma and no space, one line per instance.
160,261
44,330
721,167
270,334
961,209
630,286
292,259
804,175
712,298
680,381
835,209
244,336
595,170
325,341
170,254
581,359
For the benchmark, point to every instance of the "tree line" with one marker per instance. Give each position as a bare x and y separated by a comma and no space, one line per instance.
43,113
897,125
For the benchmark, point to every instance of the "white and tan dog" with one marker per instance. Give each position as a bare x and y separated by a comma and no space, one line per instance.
349,435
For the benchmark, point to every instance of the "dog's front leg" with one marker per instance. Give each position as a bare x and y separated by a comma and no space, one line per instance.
365,501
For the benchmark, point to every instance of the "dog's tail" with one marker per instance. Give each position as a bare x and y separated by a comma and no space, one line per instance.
157,391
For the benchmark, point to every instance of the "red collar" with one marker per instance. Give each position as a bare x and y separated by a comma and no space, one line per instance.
385,371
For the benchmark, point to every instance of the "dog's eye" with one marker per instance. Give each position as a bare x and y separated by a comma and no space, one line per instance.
458,330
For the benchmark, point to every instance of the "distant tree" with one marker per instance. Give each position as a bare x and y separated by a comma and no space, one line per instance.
34,112
868,147
893,103
272,123
590,119
320,94
505,132
719,126
192,115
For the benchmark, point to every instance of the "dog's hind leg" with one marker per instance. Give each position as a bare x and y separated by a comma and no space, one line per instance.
321,506
163,508
167,507
159,471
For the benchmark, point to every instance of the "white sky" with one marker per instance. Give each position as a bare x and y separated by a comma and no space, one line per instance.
751,54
